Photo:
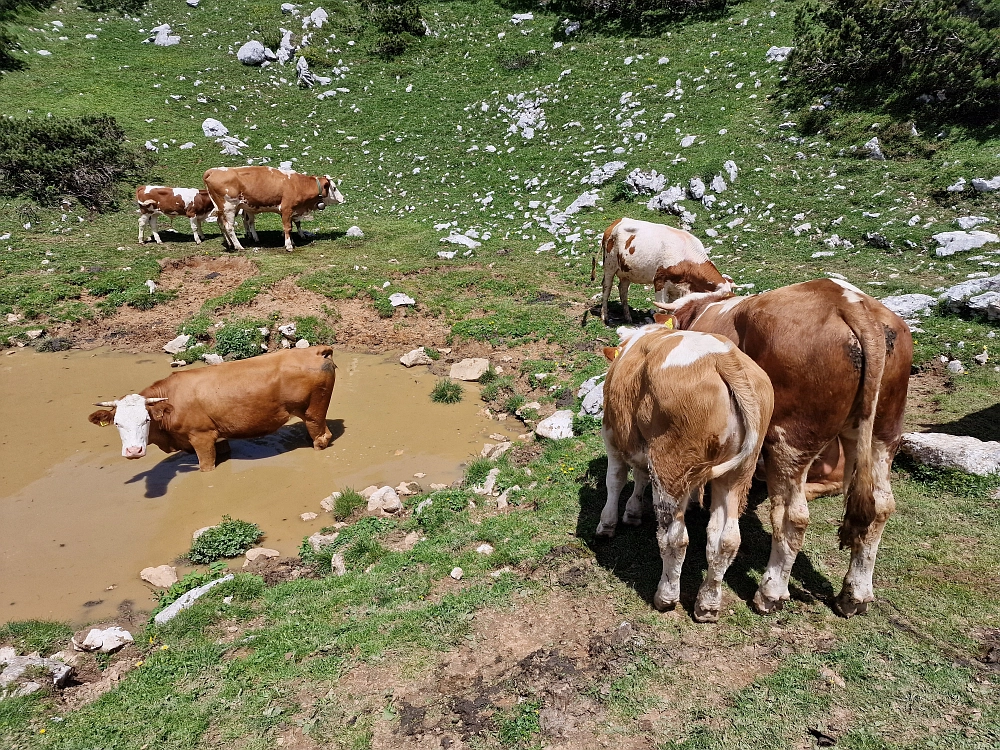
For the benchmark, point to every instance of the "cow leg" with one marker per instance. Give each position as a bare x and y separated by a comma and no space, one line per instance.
286,224
250,227
672,538
623,285
616,479
786,475
204,446
315,420
153,227
143,219
728,497
633,507
227,218
194,230
858,590
606,284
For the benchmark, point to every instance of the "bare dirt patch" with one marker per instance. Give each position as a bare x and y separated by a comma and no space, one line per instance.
921,405
275,570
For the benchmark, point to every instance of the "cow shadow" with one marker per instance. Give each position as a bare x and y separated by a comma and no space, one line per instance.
634,557
289,438
983,424
275,238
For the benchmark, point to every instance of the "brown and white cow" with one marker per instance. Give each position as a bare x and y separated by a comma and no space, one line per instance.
156,200
839,362
684,409
672,260
190,411
256,190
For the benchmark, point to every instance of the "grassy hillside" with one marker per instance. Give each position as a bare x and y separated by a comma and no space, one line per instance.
395,653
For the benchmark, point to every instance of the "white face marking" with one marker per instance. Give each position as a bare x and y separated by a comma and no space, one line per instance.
333,194
692,347
187,195
851,292
132,421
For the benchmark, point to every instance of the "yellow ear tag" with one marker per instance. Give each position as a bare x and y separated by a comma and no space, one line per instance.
617,352
668,323
105,424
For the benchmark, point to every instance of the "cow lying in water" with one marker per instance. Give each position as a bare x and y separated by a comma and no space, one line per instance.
684,409
190,411
839,362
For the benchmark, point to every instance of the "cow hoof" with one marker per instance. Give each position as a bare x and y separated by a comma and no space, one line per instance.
845,606
605,532
631,520
765,605
663,603
704,614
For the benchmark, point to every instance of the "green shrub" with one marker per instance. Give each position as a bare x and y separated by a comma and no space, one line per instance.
240,339
231,538
395,16
443,508
513,403
314,330
632,16
348,502
196,325
11,10
192,353
192,580
87,157
127,7
937,57
586,424
446,392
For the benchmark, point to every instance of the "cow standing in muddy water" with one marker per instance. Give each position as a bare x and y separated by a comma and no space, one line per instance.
156,200
256,190
684,409
190,411
672,260
839,362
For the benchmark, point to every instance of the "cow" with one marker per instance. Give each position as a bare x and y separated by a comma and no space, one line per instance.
156,200
683,409
839,362
190,411
256,190
641,252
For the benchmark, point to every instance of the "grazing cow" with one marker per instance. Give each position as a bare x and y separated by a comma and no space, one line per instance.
641,252
156,200
249,398
839,362
684,409
256,190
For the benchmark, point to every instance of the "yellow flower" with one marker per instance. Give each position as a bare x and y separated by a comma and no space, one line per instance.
41,731
164,648
138,663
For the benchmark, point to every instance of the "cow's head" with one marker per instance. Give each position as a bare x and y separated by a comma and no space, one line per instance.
331,193
131,415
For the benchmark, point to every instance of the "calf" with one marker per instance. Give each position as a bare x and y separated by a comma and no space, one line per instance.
249,398
839,362
155,200
256,190
684,409
672,260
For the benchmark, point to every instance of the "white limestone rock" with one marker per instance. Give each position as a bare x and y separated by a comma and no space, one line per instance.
489,484
970,222
251,53
105,640
982,185
955,297
960,242
212,128
188,600
355,232
593,403
415,357
987,304
469,369
398,298
13,666
696,188
778,54
961,452
386,500
177,345
319,540
557,427
162,576
910,305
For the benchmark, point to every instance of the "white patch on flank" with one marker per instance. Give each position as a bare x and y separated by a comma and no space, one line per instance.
152,187
630,335
851,292
692,347
187,195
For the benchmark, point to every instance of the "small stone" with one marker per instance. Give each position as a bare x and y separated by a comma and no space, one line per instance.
910,305
105,641
162,576
212,128
251,53
310,516
557,427
778,54
437,486
385,500
288,329
504,498
982,358
368,491
329,503
958,242
177,345
420,475
981,185
407,488
302,344
485,549
255,552
469,369
457,573
415,357
956,367
398,298
337,565
970,222
319,540
355,232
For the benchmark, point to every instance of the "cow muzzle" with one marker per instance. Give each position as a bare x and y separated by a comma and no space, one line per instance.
134,451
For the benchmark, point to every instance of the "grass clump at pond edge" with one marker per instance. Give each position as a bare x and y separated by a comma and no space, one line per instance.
231,538
348,502
447,392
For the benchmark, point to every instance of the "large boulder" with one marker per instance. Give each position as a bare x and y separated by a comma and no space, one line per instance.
960,242
557,427
987,304
960,452
251,53
188,600
470,369
910,305
12,667
954,298
982,185
162,576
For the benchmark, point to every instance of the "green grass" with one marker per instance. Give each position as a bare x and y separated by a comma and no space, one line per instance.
348,502
446,392
230,538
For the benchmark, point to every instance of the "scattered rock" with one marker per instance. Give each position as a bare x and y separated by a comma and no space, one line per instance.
956,367
959,242
874,149
778,54
981,185
957,187
319,540
485,549
385,500
461,239
696,188
718,184
489,484
640,183
162,36
337,565
960,452
436,486
355,233
177,345
399,298
212,128
970,222
987,304
368,491
415,357
14,666
288,329
457,573
188,599
982,358
593,402
599,175
251,53
330,502
557,427
255,552
469,369
162,576
213,359
955,298
406,489
106,641
502,500
310,516
910,305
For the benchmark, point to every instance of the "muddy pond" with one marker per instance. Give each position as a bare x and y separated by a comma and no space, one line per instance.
78,521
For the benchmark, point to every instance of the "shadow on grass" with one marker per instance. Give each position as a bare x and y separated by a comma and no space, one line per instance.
275,238
288,438
633,555
983,424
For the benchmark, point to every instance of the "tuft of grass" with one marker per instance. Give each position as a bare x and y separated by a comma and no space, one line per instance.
476,471
383,306
432,353
348,502
517,728
35,635
513,403
314,330
447,392
951,481
231,538
240,339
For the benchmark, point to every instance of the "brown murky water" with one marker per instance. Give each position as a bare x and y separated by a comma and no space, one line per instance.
76,518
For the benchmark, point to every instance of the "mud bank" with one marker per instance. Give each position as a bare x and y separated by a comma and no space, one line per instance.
78,522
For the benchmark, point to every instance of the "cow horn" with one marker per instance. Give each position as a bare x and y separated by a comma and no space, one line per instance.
155,400
106,404
667,306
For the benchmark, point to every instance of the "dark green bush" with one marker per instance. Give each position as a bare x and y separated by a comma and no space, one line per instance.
940,58
397,24
87,157
240,339
9,11
632,16
129,7
231,538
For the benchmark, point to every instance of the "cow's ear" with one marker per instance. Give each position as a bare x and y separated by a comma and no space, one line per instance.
102,417
665,318
610,352
159,410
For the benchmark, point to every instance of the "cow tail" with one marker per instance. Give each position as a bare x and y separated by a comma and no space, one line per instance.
326,352
593,268
859,487
754,405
